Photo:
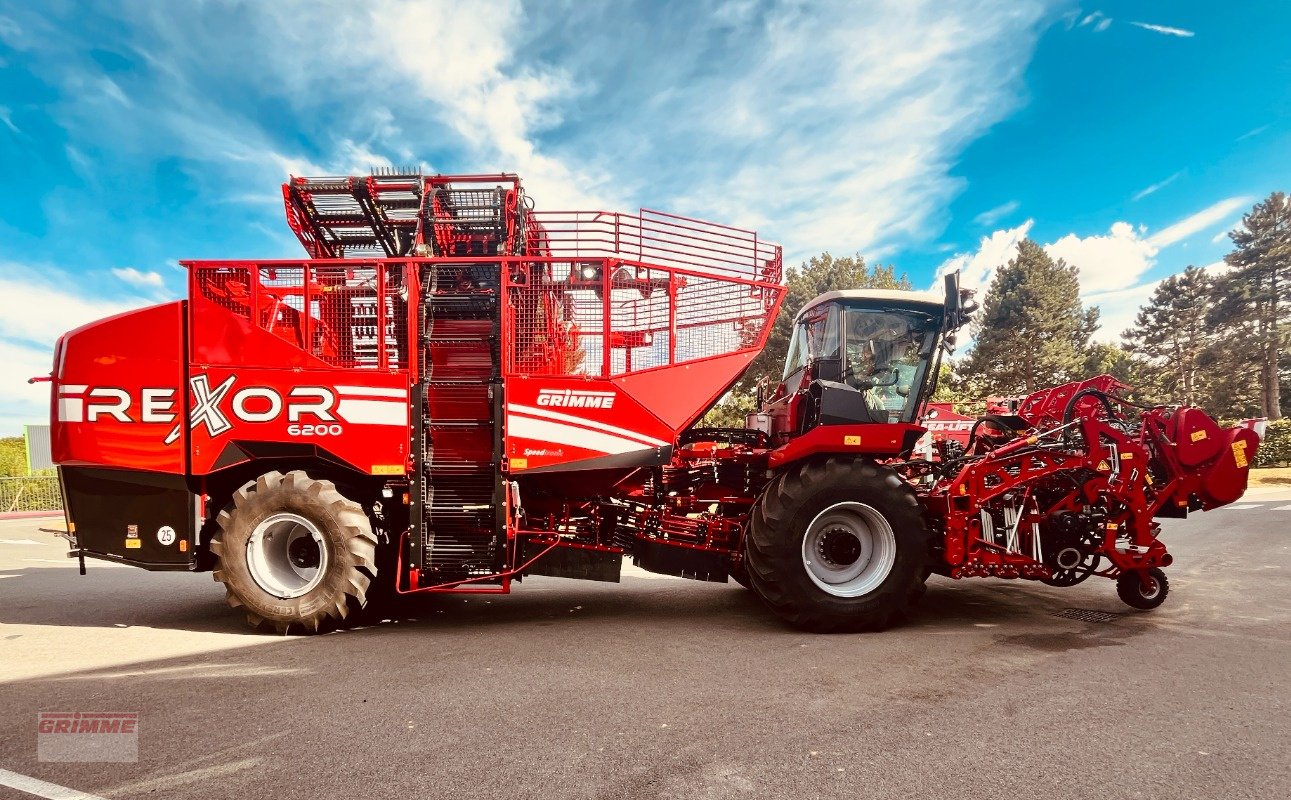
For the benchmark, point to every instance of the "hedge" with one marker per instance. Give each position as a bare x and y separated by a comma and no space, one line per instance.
1275,449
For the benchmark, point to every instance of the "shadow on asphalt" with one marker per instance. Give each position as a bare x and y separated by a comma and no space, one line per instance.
192,602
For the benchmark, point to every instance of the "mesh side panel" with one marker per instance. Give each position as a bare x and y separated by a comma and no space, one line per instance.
282,303
339,314
558,321
227,287
715,317
395,317
640,319
566,320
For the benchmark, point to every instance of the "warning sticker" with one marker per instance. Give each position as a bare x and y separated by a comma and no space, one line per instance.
1239,453
1197,436
851,440
134,544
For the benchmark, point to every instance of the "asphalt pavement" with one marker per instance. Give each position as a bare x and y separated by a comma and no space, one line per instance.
665,688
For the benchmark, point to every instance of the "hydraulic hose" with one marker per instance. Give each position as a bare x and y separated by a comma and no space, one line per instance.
1070,411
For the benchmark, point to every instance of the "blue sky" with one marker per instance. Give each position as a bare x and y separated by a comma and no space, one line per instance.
1128,137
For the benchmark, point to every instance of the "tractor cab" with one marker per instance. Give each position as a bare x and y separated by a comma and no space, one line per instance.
862,357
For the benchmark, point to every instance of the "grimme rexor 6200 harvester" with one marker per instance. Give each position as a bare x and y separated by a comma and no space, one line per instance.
455,391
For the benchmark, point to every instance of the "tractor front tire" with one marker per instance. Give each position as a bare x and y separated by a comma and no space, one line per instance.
838,545
294,552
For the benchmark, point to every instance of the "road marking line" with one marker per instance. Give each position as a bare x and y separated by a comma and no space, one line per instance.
1283,508
51,791
1242,507
19,541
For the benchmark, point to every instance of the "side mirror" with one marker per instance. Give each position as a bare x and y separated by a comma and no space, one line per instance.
959,303
953,300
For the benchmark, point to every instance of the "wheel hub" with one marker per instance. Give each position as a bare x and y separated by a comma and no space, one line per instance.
849,550
839,547
1069,558
304,553
286,555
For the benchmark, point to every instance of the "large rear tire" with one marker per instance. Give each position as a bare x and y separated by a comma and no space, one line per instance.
294,552
838,545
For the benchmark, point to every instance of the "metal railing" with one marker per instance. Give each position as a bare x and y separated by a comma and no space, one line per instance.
657,238
39,493
602,317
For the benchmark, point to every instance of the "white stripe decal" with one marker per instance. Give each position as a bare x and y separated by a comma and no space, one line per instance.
542,430
372,391
373,412
71,409
72,388
52,791
542,412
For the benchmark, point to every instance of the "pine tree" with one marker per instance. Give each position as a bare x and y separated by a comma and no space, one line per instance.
1032,331
1171,335
1256,295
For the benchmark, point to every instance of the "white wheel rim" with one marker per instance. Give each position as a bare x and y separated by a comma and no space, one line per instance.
849,550
286,555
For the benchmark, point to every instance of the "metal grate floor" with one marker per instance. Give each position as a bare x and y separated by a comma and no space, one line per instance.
1086,615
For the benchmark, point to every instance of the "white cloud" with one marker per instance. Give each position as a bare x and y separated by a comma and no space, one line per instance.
1106,262
138,279
11,33
1117,309
976,269
1111,265
1222,236
993,215
6,117
1097,19
1253,132
1156,187
23,403
762,116
37,312
1165,29
1217,268
493,106
840,150
1198,222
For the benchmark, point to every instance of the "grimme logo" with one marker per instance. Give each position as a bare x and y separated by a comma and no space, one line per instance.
575,398
87,736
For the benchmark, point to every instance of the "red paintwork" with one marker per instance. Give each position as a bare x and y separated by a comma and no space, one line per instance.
678,397
127,352
1029,473
874,441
